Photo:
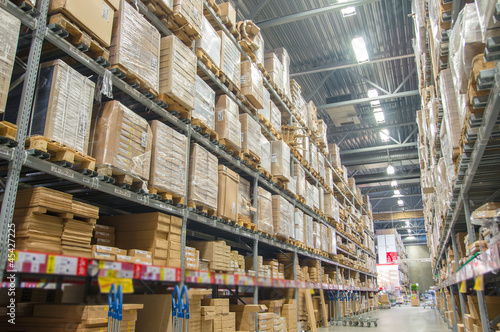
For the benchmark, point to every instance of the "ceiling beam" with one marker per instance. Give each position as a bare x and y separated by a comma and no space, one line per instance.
366,100
378,177
395,197
408,162
362,130
378,148
319,86
397,215
350,64
257,9
386,183
312,13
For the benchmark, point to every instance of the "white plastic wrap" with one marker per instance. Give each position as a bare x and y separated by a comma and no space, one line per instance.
486,10
265,153
250,135
210,42
251,84
227,122
9,35
333,241
315,191
63,107
313,158
265,212
135,45
274,68
121,139
265,111
204,104
325,243
309,230
299,226
321,199
275,117
168,159
203,177
285,61
192,12
321,165
309,195
230,59
312,116
280,159
300,173
259,53
282,217
331,206
316,235
244,199
292,186
323,128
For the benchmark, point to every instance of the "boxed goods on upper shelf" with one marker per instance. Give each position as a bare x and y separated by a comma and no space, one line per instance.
227,199
203,177
230,60
251,84
300,174
265,154
9,36
282,217
227,123
265,212
280,160
217,252
189,13
274,68
250,136
135,47
245,208
299,225
204,104
209,44
284,58
275,117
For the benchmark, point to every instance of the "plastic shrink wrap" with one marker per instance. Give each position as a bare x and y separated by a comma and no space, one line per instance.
177,71
303,145
227,122
63,106
191,11
275,117
300,173
315,191
332,241
325,243
313,156
274,68
312,116
135,46
265,153
9,35
204,104
321,199
168,159
265,111
227,194
121,139
309,194
203,177
299,226
265,212
250,135
308,230
292,186
334,155
331,206
245,208
323,128
282,216
329,177
230,59
283,56
316,229
280,159
209,43
252,84
259,53
321,165
490,27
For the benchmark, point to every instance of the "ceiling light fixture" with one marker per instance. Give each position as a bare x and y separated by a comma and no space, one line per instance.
390,170
397,192
372,93
407,223
375,103
394,183
379,117
411,237
348,11
359,47
384,135
409,231
401,202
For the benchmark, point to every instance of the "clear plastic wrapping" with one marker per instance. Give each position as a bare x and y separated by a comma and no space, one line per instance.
252,84
275,117
259,53
63,107
313,156
315,191
9,36
245,207
331,206
265,153
121,139
321,165
228,127
323,128
316,229
299,226
332,241
177,71
321,199
325,243
230,59
204,104
192,11
329,177
285,61
227,193
168,159
280,159
450,107
282,217
250,135
309,194
489,26
303,145
274,68
210,42
300,173
203,177
135,45
309,230
265,111
265,212
312,116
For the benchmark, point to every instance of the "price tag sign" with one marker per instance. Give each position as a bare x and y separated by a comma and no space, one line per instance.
151,272
106,282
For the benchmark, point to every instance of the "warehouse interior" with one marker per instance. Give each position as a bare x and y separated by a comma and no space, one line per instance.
229,165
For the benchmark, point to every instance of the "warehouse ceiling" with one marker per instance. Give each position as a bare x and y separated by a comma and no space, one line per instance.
318,38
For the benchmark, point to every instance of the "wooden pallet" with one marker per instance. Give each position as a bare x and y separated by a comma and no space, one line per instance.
113,174
173,107
166,196
69,30
228,147
202,209
244,100
231,86
250,158
133,80
265,173
59,153
8,133
205,59
300,199
183,25
206,131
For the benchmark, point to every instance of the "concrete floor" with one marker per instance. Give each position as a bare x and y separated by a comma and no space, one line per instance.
399,319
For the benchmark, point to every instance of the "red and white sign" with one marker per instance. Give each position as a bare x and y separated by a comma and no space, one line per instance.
392,257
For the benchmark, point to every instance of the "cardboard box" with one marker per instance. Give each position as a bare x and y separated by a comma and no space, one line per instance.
469,322
157,313
203,177
227,199
204,104
103,256
228,127
252,84
93,16
9,36
192,12
265,222
282,217
227,13
280,160
230,59
209,43
139,253
250,135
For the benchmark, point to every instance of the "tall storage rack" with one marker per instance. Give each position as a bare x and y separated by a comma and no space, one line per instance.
477,182
112,197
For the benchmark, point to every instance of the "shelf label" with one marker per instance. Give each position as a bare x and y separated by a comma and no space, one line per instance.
106,282
62,171
123,192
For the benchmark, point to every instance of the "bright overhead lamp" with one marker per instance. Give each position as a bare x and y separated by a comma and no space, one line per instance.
390,170
372,93
375,103
411,237
359,47
397,192
409,231
384,135
379,117
348,11
401,202
394,183
407,223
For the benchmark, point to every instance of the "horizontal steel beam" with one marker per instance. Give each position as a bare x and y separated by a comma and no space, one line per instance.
394,197
398,215
387,183
364,167
379,148
362,130
367,100
311,13
257,9
345,64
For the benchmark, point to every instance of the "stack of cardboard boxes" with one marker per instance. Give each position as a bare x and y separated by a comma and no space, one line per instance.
216,252
224,321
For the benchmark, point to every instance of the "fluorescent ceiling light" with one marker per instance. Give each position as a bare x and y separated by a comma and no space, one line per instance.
407,223
394,183
409,231
390,170
384,135
375,103
377,110
401,202
372,93
348,11
397,192
359,47
411,237
379,117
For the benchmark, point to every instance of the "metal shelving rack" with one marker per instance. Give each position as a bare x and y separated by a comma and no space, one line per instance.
104,193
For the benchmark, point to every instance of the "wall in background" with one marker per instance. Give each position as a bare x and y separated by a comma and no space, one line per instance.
420,272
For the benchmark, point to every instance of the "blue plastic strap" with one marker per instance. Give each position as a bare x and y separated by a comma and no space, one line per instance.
111,300
119,303
185,307
175,304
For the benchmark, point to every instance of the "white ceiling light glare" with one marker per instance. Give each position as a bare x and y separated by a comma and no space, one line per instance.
390,170
379,117
407,223
384,135
359,47
411,237
401,202
372,93
394,183
375,103
347,11
397,192
409,231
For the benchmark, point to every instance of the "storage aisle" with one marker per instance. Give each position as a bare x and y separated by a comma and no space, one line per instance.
405,318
